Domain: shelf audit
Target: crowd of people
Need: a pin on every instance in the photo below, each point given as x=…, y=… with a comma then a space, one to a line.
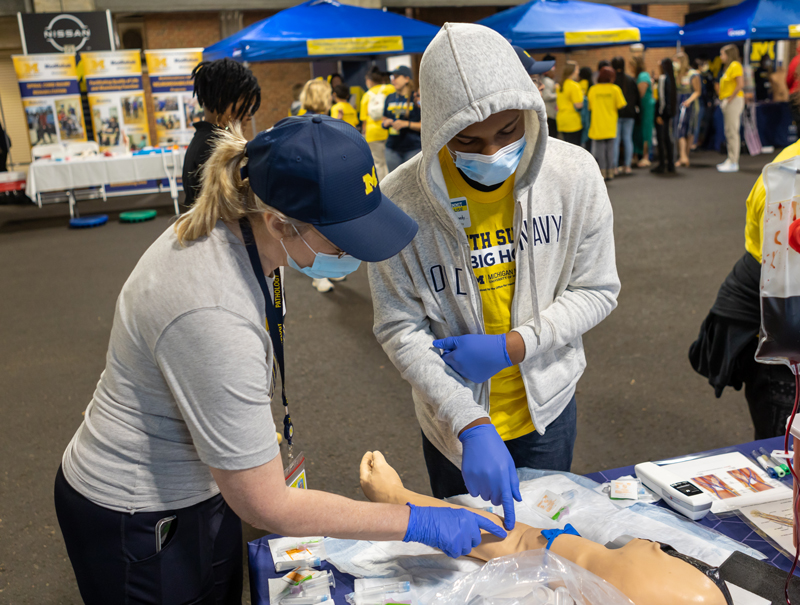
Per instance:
x=387, y=114
x=625, y=115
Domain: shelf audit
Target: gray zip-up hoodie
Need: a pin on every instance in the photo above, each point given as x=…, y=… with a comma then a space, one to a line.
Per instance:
x=566, y=276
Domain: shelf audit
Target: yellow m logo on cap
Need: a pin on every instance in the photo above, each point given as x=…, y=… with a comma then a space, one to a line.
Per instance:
x=370, y=181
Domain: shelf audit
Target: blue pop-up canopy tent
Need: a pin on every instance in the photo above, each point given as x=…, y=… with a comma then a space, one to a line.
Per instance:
x=750, y=20
x=325, y=29
x=571, y=24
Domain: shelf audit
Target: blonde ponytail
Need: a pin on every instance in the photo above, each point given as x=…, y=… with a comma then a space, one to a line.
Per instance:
x=223, y=194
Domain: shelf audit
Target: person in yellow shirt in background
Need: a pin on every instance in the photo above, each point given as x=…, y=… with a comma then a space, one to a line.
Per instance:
x=731, y=101
x=371, y=114
x=724, y=352
x=569, y=102
x=342, y=110
x=605, y=100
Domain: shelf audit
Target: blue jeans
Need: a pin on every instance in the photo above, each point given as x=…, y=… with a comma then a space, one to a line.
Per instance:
x=395, y=158
x=624, y=134
x=551, y=451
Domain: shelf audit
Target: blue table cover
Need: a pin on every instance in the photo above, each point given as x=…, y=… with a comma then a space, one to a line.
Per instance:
x=731, y=526
x=262, y=568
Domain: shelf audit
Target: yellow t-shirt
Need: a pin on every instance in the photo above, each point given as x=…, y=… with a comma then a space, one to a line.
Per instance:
x=374, y=130
x=568, y=119
x=488, y=220
x=584, y=84
x=727, y=83
x=754, y=227
x=605, y=101
x=348, y=110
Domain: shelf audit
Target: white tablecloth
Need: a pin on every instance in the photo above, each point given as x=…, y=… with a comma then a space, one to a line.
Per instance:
x=53, y=175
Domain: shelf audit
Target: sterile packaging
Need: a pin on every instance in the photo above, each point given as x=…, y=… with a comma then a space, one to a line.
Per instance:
x=301, y=587
x=779, y=341
x=290, y=553
x=526, y=579
x=550, y=505
x=382, y=591
x=624, y=489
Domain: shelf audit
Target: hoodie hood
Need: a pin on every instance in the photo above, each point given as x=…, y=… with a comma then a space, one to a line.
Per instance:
x=468, y=73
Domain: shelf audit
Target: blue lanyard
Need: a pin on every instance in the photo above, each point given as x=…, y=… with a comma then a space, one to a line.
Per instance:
x=274, y=315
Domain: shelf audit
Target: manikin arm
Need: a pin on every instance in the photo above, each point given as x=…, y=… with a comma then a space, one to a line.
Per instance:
x=643, y=573
x=381, y=483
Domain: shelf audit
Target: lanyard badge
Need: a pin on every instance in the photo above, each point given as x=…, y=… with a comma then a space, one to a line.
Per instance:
x=273, y=307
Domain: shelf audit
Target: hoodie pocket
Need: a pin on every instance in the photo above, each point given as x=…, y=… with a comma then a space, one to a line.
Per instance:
x=549, y=374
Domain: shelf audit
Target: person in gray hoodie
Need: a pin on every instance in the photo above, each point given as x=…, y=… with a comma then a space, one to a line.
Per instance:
x=513, y=262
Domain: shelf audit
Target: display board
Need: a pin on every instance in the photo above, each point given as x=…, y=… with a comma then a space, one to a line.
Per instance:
x=176, y=108
x=116, y=98
x=51, y=98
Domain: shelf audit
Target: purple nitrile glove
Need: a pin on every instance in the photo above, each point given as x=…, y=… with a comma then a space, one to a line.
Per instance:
x=455, y=531
x=476, y=357
x=489, y=470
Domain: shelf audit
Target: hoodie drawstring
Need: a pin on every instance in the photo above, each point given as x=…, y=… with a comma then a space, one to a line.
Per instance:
x=537, y=318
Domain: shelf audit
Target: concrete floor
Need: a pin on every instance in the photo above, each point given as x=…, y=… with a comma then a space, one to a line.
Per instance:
x=676, y=239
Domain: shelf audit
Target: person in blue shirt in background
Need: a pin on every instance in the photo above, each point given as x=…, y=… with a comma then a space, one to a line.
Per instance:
x=401, y=115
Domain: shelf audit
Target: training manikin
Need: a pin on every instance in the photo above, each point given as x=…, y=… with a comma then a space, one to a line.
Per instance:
x=648, y=573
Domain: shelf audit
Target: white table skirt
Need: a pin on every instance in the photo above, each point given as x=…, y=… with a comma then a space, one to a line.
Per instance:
x=52, y=175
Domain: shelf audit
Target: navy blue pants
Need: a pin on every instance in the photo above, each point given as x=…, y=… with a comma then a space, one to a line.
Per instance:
x=551, y=451
x=114, y=554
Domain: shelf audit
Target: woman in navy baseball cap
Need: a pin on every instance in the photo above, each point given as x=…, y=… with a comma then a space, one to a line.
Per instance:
x=178, y=442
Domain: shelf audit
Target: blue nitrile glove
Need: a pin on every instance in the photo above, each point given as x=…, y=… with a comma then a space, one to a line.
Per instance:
x=489, y=470
x=477, y=357
x=455, y=531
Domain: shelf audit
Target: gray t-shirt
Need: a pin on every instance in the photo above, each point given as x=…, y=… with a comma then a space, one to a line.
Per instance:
x=186, y=384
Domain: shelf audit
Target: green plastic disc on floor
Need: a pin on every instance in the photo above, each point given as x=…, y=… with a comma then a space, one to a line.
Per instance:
x=137, y=216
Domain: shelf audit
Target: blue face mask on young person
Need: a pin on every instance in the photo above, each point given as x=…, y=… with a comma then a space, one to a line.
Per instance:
x=491, y=169
x=325, y=265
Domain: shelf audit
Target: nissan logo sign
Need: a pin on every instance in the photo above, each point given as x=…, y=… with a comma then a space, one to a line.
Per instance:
x=67, y=30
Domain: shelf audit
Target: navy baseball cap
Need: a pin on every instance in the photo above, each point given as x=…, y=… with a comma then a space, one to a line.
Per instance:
x=532, y=66
x=403, y=70
x=320, y=170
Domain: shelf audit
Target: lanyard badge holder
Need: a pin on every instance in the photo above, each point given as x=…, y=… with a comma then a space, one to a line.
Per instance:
x=294, y=473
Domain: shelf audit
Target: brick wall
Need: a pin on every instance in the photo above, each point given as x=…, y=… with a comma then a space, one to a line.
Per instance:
x=181, y=30
x=188, y=30
x=276, y=80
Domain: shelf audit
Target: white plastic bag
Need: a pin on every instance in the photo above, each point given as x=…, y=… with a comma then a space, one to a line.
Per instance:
x=520, y=579
x=779, y=342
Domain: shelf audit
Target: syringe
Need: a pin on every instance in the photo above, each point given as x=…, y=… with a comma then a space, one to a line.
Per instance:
x=304, y=600
x=309, y=562
x=299, y=546
x=324, y=579
x=385, y=589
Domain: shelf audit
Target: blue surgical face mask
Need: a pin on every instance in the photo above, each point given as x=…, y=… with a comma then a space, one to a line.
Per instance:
x=325, y=265
x=491, y=169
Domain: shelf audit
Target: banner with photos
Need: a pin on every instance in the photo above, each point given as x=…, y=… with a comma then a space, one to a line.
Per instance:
x=116, y=98
x=176, y=108
x=51, y=97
